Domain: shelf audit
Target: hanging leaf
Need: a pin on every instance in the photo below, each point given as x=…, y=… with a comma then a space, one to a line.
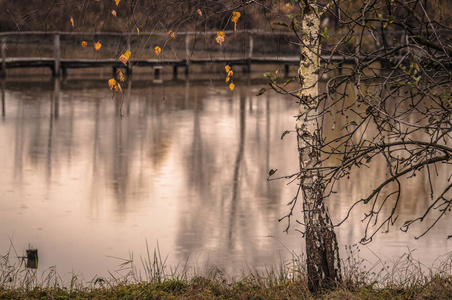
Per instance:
x=261, y=91
x=227, y=79
x=199, y=12
x=158, y=50
x=84, y=44
x=227, y=68
x=117, y=2
x=72, y=22
x=111, y=83
x=171, y=34
x=220, y=37
x=138, y=31
x=97, y=46
x=284, y=134
x=114, y=85
x=125, y=57
x=121, y=76
x=113, y=12
x=235, y=17
x=231, y=86
x=272, y=172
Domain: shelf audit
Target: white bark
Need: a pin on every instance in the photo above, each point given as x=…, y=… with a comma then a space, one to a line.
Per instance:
x=321, y=243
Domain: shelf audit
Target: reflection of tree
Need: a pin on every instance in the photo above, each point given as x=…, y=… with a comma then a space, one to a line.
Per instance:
x=236, y=180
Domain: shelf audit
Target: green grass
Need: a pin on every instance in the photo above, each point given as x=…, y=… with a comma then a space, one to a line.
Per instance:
x=405, y=278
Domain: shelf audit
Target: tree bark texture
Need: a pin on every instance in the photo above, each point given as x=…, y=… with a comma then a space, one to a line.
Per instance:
x=323, y=264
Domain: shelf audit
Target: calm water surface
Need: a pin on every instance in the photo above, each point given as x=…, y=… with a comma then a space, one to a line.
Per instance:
x=185, y=167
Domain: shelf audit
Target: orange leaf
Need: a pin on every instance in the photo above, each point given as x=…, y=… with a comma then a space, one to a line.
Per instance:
x=158, y=50
x=97, y=46
x=220, y=37
x=121, y=76
x=227, y=68
x=117, y=2
x=123, y=59
x=199, y=12
x=113, y=12
x=231, y=86
x=230, y=73
x=72, y=22
x=171, y=34
x=227, y=79
x=84, y=44
x=111, y=83
x=114, y=85
x=118, y=88
x=235, y=18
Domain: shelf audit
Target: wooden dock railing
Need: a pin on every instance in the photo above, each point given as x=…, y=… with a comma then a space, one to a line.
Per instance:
x=245, y=48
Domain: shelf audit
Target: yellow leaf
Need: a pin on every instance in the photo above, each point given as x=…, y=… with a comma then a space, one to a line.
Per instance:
x=118, y=88
x=227, y=79
x=231, y=86
x=235, y=18
x=220, y=37
x=97, y=46
x=227, y=68
x=123, y=59
x=199, y=12
x=72, y=22
x=84, y=44
x=113, y=12
x=127, y=54
x=117, y=2
x=121, y=76
x=112, y=83
x=171, y=34
x=158, y=50
x=138, y=31
x=230, y=73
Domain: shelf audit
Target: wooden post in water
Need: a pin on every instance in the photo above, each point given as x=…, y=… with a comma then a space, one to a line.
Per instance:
x=187, y=54
x=3, y=70
x=57, y=65
x=247, y=67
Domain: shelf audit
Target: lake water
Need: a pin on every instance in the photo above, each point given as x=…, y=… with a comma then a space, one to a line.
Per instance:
x=186, y=168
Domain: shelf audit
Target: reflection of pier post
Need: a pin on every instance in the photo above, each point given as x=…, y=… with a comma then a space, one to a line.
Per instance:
x=56, y=98
x=3, y=98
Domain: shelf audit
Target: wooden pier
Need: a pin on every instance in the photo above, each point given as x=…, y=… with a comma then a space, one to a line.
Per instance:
x=185, y=52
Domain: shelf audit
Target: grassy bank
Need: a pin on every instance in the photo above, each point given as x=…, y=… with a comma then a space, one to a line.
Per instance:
x=202, y=288
x=405, y=278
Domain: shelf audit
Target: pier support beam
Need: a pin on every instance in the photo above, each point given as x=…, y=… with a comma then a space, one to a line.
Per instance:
x=56, y=47
x=3, y=50
x=187, y=55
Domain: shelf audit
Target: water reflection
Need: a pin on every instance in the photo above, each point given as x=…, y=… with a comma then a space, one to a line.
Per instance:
x=186, y=166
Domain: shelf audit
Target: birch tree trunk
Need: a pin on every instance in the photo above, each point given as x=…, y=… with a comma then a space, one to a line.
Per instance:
x=323, y=264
